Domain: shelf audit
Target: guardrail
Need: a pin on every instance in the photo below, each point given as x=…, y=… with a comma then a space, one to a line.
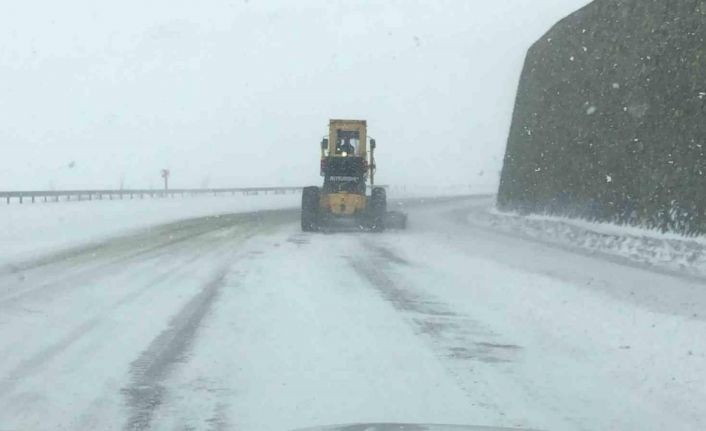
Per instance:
x=88, y=195
x=32, y=196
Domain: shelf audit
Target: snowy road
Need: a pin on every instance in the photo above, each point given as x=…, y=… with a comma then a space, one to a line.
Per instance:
x=243, y=322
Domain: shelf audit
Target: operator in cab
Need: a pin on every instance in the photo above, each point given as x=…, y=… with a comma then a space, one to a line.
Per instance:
x=345, y=148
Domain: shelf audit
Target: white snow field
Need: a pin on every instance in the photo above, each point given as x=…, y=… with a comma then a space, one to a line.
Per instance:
x=243, y=322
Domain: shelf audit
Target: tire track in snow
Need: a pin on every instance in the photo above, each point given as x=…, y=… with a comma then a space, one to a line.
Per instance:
x=175, y=255
x=199, y=252
x=459, y=336
x=146, y=390
x=47, y=354
x=44, y=356
x=457, y=339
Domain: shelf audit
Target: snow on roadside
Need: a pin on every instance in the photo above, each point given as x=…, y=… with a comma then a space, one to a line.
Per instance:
x=669, y=252
x=31, y=230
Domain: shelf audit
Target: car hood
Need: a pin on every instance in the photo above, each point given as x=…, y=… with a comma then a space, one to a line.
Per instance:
x=407, y=427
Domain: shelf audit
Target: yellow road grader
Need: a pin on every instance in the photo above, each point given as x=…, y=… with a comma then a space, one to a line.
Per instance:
x=347, y=165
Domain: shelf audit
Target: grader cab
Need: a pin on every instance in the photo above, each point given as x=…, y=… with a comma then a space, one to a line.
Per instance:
x=348, y=168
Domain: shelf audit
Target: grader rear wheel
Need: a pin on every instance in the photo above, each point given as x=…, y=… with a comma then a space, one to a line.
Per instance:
x=377, y=209
x=310, y=209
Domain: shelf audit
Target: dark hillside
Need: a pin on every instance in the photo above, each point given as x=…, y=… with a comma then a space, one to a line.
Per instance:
x=610, y=118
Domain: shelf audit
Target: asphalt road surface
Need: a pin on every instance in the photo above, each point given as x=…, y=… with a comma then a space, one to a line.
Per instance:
x=244, y=322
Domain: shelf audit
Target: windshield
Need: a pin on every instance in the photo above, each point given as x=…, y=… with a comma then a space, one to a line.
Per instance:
x=347, y=143
x=276, y=215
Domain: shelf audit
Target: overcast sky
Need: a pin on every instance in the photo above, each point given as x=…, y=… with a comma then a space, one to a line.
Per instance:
x=238, y=93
